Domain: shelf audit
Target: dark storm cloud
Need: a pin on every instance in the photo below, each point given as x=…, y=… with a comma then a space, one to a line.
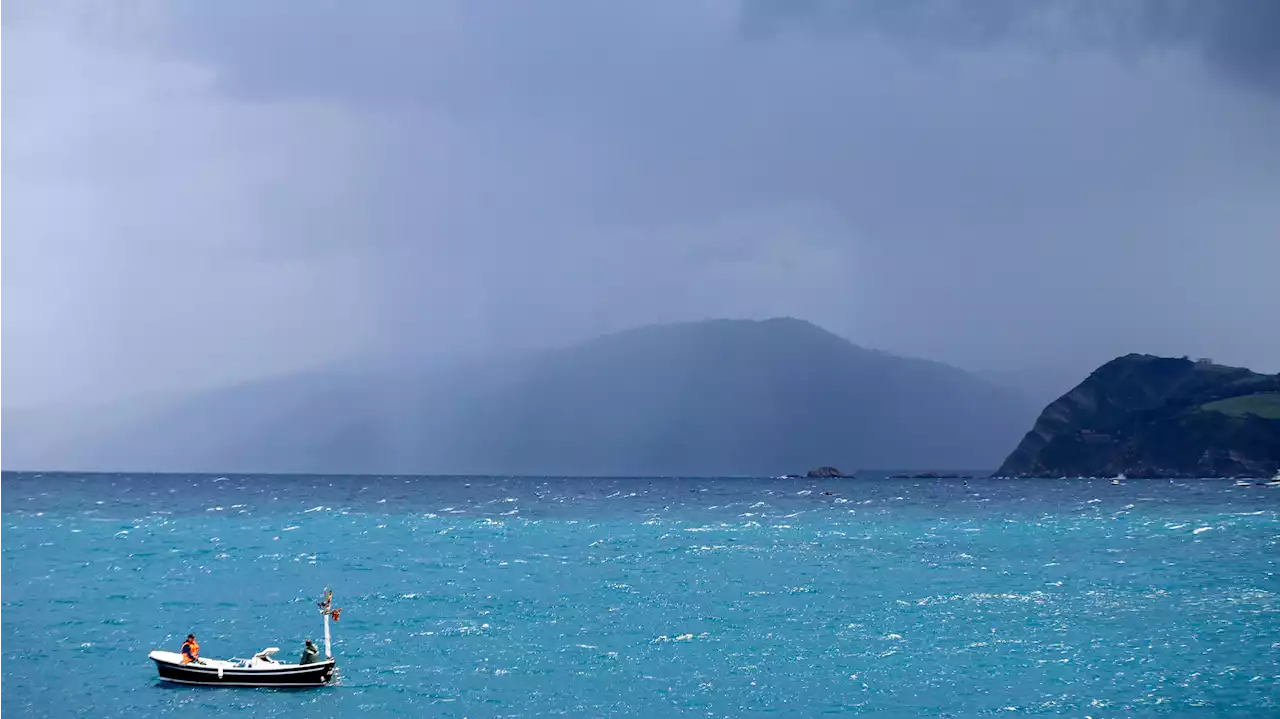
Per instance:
x=1245, y=41
x=1237, y=37
x=973, y=182
x=956, y=157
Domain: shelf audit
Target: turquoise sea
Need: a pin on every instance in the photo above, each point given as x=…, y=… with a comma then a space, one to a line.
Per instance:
x=532, y=597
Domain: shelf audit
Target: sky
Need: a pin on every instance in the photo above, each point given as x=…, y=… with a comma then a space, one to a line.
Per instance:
x=202, y=193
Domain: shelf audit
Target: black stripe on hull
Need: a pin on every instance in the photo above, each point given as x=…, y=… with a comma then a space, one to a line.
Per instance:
x=240, y=684
x=315, y=675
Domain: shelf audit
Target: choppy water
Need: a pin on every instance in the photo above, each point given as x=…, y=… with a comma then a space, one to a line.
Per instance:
x=648, y=597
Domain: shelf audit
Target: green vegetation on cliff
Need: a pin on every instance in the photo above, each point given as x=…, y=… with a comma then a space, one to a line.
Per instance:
x=1142, y=415
x=1262, y=404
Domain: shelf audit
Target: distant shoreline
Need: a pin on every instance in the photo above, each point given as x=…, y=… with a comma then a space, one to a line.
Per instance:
x=861, y=476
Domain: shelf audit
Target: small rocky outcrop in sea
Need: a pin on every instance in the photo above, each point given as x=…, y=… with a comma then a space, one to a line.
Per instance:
x=826, y=473
x=1145, y=416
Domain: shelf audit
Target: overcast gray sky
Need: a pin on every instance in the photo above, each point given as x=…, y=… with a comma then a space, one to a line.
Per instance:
x=201, y=192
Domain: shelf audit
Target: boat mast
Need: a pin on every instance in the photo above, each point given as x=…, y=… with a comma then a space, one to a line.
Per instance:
x=326, y=610
x=327, y=652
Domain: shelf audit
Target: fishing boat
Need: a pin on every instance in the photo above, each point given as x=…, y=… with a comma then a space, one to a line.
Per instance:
x=260, y=670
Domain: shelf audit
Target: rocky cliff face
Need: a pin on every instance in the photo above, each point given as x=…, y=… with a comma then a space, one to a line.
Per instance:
x=1142, y=415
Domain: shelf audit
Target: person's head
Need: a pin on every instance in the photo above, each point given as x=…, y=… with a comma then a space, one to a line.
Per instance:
x=310, y=645
x=191, y=637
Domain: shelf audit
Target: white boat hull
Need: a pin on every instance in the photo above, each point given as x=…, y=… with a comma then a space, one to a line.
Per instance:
x=249, y=673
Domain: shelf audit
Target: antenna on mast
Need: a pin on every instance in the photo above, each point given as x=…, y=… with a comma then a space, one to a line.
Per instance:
x=326, y=609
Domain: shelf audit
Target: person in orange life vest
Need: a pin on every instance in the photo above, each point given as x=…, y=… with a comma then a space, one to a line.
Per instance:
x=191, y=650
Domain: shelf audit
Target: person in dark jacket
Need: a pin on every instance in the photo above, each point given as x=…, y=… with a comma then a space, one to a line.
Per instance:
x=310, y=654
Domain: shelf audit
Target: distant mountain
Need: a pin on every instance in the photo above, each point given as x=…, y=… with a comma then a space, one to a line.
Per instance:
x=1142, y=415
x=707, y=398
